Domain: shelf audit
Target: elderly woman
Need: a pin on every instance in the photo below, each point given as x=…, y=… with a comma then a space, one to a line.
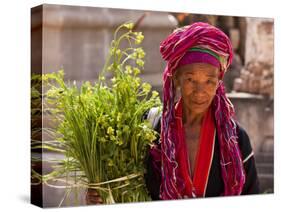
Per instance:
x=202, y=150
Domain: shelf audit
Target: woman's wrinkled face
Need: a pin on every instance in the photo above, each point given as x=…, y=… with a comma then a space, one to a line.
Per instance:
x=198, y=83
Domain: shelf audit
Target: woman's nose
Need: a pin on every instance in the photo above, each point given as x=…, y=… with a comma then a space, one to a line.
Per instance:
x=198, y=87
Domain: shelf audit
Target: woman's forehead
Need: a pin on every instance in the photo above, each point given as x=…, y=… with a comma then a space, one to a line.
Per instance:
x=199, y=68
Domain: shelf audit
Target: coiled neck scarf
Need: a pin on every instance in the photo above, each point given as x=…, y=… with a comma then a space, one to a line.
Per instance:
x=173, y=48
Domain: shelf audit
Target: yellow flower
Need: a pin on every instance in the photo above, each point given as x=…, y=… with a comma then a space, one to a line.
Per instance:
x=128, y=69
x=146, y=87
x=129, y=25
x=140, y=62
x=110, y=131
x=136, y=71
x=119, y=116
x=154, y=94
x=139, y=38
x=110, y=162
x=118, y=52
x=140, y=53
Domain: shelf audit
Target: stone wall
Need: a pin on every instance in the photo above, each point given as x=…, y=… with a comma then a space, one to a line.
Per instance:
x=77, y=39
x=257, y=75
x=255, y=114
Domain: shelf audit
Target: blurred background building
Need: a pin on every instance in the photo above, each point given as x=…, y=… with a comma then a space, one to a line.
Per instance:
x=77, y=39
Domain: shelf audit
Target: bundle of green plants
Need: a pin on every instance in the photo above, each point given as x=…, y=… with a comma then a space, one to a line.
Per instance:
x=100, y=126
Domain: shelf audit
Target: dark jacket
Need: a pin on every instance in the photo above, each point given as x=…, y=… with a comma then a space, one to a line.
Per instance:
x=215, y=186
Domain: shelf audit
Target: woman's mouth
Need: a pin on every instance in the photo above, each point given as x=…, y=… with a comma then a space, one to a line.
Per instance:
x=199, y=103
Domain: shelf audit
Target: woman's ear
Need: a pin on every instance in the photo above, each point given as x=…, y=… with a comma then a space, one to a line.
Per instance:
x=177, y=89
x=176, y=82
x=176, y=79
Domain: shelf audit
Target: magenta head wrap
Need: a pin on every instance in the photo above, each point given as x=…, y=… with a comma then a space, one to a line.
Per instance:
x=173, y=50
x=198, y=55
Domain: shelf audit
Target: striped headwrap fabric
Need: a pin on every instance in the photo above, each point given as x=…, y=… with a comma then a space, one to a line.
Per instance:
x=173, y=48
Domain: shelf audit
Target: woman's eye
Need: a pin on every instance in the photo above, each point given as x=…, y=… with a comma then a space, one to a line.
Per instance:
x=188, y=79
x=210, y=82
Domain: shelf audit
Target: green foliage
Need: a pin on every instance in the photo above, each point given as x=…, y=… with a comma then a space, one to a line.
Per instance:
x=100, y=126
